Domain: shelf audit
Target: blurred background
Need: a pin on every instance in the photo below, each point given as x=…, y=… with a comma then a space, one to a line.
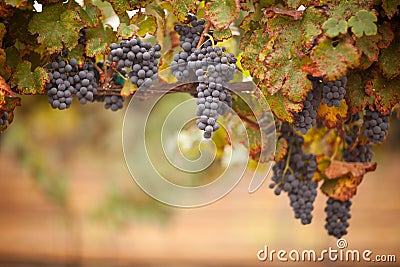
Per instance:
x=67, y=199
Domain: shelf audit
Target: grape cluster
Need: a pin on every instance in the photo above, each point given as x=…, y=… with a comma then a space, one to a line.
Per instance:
x=376, y=126
x=214, y=69
x=60, y=88
x=138, y=59
x=307, y=117
x=212, y=66
x=3, y=118
x=66, y=79
x=189, y=37
x=355, y=152
x=337, y=214
x=113, y=102
x=333, y=92
x=294, y=175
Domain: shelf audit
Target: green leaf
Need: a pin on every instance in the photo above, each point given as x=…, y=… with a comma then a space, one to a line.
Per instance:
x=222, y=35
x=363, y=22
x=91, y=14
x=181, y=8
x=387, y=34
x=146, y=24
x=98, y=40
x=334, y=27
x=13, y=56
x=390, y=7
x=332, y=58
x=121, y=6
x=5, y=70
x=127, y=31
x=355, y=95
x=18, y=27
x=222, y=13
x=311, y=25
x=56, y=26
x=282, y=107
x=28, y=82
x=295, y=3
x=389, y=60
x=386, y=93
x=17, y=3
x=281, y=149
x=368, y=45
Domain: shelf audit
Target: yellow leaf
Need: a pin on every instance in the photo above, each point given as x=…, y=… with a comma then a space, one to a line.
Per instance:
x=333, y=117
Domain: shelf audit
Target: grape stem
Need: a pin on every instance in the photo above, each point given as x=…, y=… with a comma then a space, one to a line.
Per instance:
x=287, y=163
x=205, y=32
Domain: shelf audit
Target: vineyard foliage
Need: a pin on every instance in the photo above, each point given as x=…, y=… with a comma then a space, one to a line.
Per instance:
x=280, y=44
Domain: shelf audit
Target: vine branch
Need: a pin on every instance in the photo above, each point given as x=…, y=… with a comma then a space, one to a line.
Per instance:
x=205, y=31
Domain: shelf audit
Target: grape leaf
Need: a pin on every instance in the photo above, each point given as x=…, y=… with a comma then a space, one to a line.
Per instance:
x=386, y=93
x=389, y=60
x=121, y=6
x=338, y=169
x=18, y=27
x=5, y=89
x=332, y=117
x=28, y=82
x=17, y=3
x=311, y=25
x=390, y=7
x=355, y=95
x=91, y=15
x=363, y=22
x=98, y=40
x=222, y=35
x=334, y=27
x=281, y=149
x=128, y=89
x=222, y=13
x=127, y=31
x=181, y=8
x=56, y=27
x=387, y=35
x=368, y=45
x=295, y=3
x=5, y=70
x=146, y=24
x=343, y=188
x=282, y=107
x=332, y=58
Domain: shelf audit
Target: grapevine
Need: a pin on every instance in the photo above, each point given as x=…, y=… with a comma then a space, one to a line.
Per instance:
x=330, y=73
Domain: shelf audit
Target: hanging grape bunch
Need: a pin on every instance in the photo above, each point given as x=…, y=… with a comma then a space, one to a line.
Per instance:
x=139, y=59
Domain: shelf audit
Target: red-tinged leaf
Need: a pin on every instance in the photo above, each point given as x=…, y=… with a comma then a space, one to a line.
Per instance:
x=286, y=75
x=368, y=45
x=281, y=149
x=296, y=15
x=387, y=34
x=181, y=8
x=222, y=13
x=390, y=7
x=5, y=89
x=28, y=82
x=98, y=40
x=3, y=32
x=389, y=60
x=338, y=169
x=355, y=95
x=5, y=70
x=386, y=93
x=18, y=27
x=332, y=58
x=311, y=27
x=57, y=27
x=282, y=107
x=145, y=23
x=343, y=188
x=127, y=31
